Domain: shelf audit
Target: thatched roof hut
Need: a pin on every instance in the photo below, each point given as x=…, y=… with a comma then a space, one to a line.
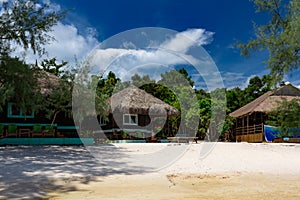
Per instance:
x=250, y=121
x=268, y=101
x=137, y=101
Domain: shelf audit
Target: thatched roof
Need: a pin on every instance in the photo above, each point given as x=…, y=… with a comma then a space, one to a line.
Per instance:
x=137, y=101
x=268, y=101
x=46, y=81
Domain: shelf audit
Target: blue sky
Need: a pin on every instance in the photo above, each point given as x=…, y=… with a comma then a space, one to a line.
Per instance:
x=94, y=21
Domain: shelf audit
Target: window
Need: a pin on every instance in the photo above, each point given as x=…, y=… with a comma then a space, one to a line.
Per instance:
x=102, y=122
x=13, y=111
x=130, y=119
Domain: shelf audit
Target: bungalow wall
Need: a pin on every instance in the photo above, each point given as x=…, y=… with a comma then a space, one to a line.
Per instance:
x=115, y=125
x=117, y=119
x=249, y=128
x=12, y=115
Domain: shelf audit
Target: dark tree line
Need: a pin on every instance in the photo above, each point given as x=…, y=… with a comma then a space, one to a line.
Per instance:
x=28, y=25
x=176, y=89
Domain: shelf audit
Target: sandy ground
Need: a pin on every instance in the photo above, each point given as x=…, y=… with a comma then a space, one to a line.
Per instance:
x=152, y=171
x=187, y=186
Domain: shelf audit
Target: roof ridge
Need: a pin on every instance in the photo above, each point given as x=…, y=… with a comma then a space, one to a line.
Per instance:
x=262, y=101
x=255, y=103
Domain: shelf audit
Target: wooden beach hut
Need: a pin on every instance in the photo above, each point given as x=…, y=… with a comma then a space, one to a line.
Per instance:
x=18, y=124
x=130, y=111
x=250, y=119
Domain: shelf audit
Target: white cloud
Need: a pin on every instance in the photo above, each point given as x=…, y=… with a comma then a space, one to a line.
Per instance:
x=159, y=56
x=68, y=43
x=124, y=63
x=172, y=51
x=183, y=41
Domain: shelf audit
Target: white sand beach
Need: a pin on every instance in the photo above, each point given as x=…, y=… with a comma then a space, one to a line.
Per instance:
x=228, y=171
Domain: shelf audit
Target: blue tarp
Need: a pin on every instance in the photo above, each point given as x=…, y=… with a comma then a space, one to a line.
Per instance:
x=272, y=132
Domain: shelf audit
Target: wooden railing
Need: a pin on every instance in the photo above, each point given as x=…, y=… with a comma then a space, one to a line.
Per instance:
x=245, y=130
x=252, y=133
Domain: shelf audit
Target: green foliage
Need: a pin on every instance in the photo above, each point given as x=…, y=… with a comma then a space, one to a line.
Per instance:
x=59, y=100
x=88, y=90
x=185, y=74
x=218, y=108
x=205, y=115
x=178, y=91
x=228, y=125
x=52, y=67
x=104, y=89
x=281, y=36
x=286, y=116
x=17, y=83
x=267, y=83
x=176, y=78
x=124, y=134
x=109, y=84
x=234, y=99
x=141, y=81
x=237, y=97
x=139, y=134
x=27, y=23
x=253, y=90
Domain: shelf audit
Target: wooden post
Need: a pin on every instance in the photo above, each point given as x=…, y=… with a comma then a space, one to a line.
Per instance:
x=243, y=124
x=262, y=132
x=247, y=124
x=248, y=135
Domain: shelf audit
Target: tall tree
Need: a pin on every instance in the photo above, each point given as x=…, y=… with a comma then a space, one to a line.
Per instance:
x=60, y=83
x=27, y=23
x=107, y=86
x=205, y=116
x=253, y=90
x=50, y=66
x=256, y=87
x=186, y=76
x=234, y=99
x=281, y=36
x=58, y=100
x=17, y=83
x=179, y=93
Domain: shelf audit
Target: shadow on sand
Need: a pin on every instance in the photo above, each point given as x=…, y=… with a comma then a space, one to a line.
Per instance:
x=28, y=172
